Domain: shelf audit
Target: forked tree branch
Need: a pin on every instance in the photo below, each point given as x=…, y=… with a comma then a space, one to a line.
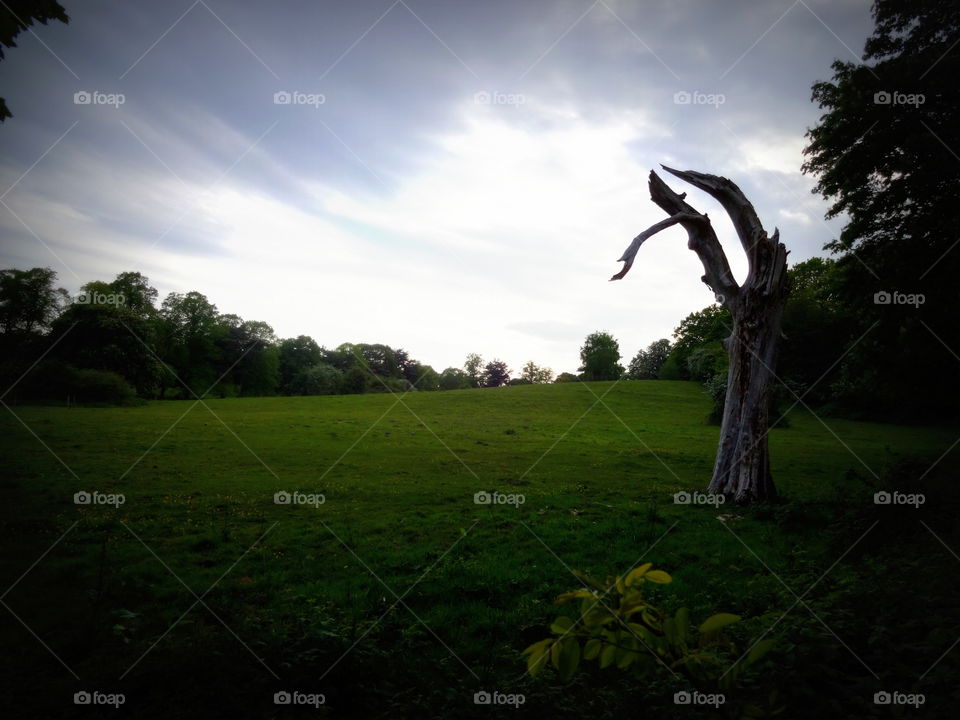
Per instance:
x=739, y=208
x=630, y=253
x=702, y=239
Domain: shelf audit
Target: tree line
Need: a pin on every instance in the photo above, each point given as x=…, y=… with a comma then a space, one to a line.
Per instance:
x=112, y=343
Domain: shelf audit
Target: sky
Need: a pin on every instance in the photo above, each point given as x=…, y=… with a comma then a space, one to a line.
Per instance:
x=444, y=176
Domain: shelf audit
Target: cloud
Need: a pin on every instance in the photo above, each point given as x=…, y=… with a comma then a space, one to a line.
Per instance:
x=402, y=210
x=797, y=217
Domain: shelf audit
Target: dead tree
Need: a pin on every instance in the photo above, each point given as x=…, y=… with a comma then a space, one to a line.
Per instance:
x=742, y=468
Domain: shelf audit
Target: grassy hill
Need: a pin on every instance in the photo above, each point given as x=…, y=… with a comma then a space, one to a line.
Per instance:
x=305, y=597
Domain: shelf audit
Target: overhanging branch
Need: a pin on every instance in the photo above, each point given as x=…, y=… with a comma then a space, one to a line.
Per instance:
x=742, y=214
x=630, y=253
x=701, y=239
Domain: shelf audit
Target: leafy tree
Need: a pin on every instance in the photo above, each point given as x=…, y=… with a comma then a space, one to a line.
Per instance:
x=356, y=380
x=296, y=355
x=817, y=326
x=535, y=374
x=409, y=369
x=189, y=330
x=883, y=152
x=29, y=302
x=454, y=379
x=646, y=364
x=249, y=358
x=473, y=367
x=102, y=333
x=421, y=377
x=343, y=357
x=566, y=377
x=381, y=360
x=138, y=295
x=496, y=373
x=710, y=325
x=600, y=357
x=18, y=15
x=706, y=361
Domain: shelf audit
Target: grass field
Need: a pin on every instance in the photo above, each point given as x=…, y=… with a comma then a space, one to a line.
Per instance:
x=306, y=597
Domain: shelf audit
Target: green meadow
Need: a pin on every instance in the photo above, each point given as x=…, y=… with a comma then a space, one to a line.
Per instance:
x=398, y=595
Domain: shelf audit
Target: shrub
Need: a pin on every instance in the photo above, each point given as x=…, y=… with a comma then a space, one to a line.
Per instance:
x=100, y=386
x=319, y=379
x=56, y=382
x=618, y=627
x=716, y=389
x=706, y=361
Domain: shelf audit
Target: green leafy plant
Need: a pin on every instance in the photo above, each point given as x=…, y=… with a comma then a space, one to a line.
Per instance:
x=618, y=627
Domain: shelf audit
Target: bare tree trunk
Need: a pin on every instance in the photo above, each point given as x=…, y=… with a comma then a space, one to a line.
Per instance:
x=742, y=468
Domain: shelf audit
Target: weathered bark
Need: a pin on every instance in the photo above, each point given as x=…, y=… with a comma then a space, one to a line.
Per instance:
x=742, y=468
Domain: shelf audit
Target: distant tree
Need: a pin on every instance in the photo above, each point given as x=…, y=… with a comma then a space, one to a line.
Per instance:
x=600, y=357
x=138, y=295
x=429, y=379
x=356, y=380
x=408, y=368
x=535, y=374
x=566, y=377
x=17, y=16
x=454, y=379
x=712, y=324
x=189, y=330
x=646, y=364
x=706, y=361
x=296, y=355
x=343, y=357
x=381, y=360
x=319, y=379
x=421, y=377
x=473, y=367
x=29, y=300
x=496, y=373
x=249, y=359
x=100, y=332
